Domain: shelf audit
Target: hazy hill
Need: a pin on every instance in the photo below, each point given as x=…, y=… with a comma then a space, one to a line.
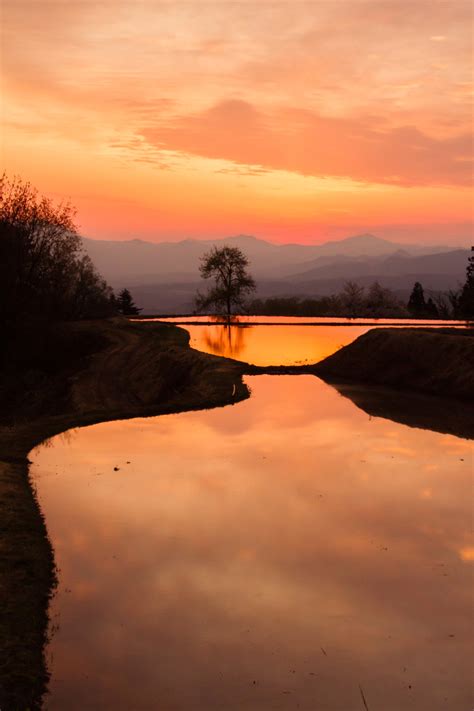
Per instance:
x=397, y=264
x=164, y=276
x=139, y=262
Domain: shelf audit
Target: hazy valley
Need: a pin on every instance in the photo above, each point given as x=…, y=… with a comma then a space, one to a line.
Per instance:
x=164, y=275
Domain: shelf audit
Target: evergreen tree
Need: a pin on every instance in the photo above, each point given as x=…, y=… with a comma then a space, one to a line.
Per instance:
x=431, y=309
x=416, y=302
x=466, y=298
x=125, y=304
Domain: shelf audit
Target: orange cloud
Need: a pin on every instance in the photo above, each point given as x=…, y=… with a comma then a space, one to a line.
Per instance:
x=192, y=105
x=301, y=141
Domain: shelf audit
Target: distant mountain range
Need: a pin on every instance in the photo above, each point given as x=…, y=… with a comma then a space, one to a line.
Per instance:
x=396, y=264
x=165, y=275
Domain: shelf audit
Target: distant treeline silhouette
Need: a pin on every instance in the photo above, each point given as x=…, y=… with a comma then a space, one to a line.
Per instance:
x=356, y=301
x=353, y=301
x=456, y=303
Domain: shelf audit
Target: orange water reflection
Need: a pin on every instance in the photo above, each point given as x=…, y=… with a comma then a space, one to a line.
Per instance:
x=229, y=341
x=273, y=345
x=276, y=554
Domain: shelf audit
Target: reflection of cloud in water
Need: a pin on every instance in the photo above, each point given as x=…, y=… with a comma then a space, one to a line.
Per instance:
x=228, y=555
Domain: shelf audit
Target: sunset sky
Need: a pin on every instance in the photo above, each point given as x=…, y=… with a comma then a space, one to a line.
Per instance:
x=292, y=121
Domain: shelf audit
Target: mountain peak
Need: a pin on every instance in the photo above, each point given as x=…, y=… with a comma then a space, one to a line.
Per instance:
x=362, y=245
x=365, y=238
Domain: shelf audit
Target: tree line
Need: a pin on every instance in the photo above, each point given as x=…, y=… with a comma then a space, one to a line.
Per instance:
x=45, y=275
x=352, y=301
x=375, y=301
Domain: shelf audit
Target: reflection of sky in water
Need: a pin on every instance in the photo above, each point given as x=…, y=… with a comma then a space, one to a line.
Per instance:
x=283, y=345
x=278, y=552
x=273, y=345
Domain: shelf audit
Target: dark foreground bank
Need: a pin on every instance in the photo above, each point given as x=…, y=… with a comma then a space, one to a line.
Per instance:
x=86, y=372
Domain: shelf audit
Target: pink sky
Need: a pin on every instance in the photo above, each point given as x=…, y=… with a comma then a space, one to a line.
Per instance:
x=293, y=121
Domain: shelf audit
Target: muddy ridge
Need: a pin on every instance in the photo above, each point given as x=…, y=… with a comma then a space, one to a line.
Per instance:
x=432, y=361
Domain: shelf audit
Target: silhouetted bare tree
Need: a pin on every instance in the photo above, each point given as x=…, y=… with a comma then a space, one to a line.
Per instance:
x=227, y=266
x=352, y=299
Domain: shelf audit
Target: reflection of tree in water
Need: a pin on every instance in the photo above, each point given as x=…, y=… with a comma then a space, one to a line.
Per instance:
x=228, y=341
x=64, y=437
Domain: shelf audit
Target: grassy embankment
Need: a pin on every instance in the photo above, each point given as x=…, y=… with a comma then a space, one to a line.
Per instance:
x=434, y=361
x=79, y=374
x=418, y=377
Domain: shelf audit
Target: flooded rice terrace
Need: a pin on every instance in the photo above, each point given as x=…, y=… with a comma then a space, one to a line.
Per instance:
x=285, y=552
x=284, y=340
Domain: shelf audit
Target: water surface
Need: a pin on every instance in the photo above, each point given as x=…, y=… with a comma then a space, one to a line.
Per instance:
x=275, y=345
x=285, y=552
x=281, y=340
